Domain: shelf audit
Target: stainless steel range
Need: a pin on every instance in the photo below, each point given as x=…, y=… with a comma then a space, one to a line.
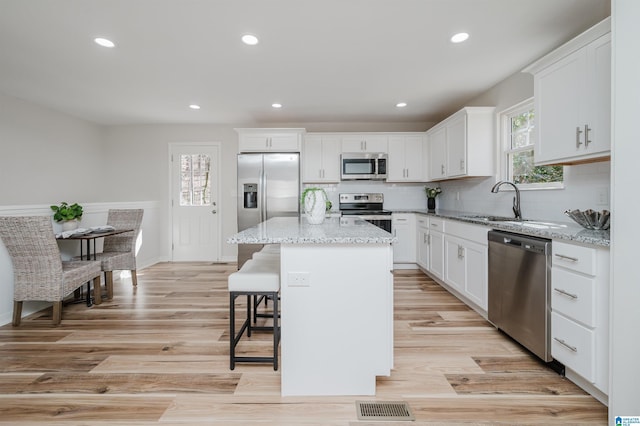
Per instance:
x=366, y=206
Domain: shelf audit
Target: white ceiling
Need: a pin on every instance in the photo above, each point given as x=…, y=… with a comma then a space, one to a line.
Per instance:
x=324, y=60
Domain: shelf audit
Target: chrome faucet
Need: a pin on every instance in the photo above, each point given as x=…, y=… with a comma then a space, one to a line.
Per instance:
x=516, y=199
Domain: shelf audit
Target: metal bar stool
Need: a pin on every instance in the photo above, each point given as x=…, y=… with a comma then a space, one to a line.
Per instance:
x=255, y=278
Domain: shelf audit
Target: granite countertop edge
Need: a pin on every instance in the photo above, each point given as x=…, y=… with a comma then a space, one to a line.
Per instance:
x=569, y=231
x=293, y=230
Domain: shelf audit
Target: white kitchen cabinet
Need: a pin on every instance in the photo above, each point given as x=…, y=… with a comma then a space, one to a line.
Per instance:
x=437, y=144
x=436, y=247
x=364, y=142
x=405, y=158
x=269, y=140
x=321, y=159
x=466, y=259
x=580, y=311
x=572, y=88
x=462, y=145
x=404, y=228
x=422, y=241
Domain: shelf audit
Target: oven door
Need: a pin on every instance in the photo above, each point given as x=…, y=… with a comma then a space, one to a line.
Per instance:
x=381, y=221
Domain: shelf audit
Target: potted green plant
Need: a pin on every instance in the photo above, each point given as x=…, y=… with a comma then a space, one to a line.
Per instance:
x=431, y=197
x=67, y=215
x=315, y=203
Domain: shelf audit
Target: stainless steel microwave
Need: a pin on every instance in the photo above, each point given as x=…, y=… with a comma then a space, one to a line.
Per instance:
x=363, y=166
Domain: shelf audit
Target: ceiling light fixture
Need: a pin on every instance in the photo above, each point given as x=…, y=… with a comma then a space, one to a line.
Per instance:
x=276, y=105
x=104, y=42
x=459, y=38
x=401, y=104
x=194, y=106
x=250, y=39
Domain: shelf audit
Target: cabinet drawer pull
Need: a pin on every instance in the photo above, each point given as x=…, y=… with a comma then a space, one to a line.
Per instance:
x=573, y=296
x=586, y=135
x=566, y=345
x=565, y=257
x=578, y=133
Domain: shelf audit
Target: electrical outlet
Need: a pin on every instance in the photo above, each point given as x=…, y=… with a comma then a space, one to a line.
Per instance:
x=298, y=279
x=603, y=196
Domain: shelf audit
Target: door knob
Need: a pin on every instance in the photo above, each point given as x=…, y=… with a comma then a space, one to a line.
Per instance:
x=214, y=211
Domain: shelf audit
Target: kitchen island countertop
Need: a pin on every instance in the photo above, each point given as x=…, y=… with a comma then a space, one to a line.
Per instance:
x=296, y=230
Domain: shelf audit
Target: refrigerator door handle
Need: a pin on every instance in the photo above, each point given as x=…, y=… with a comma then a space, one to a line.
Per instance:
x=261, y=196
x=264, y=196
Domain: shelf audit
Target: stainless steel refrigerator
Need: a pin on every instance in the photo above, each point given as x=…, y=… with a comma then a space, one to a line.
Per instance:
x=268, y=186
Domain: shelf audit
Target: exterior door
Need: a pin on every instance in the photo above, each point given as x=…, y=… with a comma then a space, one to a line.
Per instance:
x=194, y=202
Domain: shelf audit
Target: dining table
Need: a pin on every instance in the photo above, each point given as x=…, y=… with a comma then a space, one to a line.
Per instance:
x=89, y=237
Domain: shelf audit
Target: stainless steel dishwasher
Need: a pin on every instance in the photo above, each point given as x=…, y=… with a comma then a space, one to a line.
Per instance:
x=519, y=289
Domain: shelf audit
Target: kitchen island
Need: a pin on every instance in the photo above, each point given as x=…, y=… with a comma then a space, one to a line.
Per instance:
x=336, y=303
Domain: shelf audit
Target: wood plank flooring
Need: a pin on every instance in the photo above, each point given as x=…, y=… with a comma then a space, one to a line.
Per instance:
x=158, y=355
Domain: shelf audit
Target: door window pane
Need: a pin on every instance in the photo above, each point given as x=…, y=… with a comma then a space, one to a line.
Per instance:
x=195, y=180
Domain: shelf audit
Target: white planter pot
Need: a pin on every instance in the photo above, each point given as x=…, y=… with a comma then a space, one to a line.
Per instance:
x=315, y=206
x=69, y=225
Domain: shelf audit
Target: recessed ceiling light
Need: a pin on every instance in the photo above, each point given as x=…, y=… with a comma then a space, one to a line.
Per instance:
x=401, y=104
x=194, y=106
x=104, y=42
x=250, y=39
x=276, y=105
x=459, y=38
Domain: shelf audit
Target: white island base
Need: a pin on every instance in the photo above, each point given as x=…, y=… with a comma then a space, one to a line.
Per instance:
x=337, y=318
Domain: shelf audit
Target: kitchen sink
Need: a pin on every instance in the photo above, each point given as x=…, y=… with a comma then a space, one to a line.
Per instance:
x=494, y=218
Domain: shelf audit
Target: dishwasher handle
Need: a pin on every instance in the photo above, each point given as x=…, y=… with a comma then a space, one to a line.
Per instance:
x=518, y=241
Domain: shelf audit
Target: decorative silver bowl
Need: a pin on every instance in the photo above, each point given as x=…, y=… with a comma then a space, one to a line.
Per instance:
x=590, y=219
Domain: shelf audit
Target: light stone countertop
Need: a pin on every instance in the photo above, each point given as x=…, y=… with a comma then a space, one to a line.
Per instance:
x=296, y=230
x=568, y=231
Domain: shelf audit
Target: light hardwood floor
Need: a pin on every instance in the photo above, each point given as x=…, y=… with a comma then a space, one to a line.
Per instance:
x=158, y=355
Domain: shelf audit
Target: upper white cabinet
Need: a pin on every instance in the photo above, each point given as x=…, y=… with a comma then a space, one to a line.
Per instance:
x=462, y=145
x=406, y=158
x=364, y=142
x=321, y=158
x=572, y=87
x=270, y=140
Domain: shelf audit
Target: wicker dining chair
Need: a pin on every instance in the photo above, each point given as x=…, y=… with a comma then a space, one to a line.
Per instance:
x=38, y=270
x=119, y=251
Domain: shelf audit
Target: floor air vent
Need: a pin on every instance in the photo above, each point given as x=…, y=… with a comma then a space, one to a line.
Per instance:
x=388, y=410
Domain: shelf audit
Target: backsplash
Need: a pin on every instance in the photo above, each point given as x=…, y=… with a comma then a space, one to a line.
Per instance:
x=586, y=186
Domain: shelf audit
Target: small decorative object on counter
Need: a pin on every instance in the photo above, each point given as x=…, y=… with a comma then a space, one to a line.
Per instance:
x=591, y=219
x=67, y=215
x=431, y=197
x=314, y=203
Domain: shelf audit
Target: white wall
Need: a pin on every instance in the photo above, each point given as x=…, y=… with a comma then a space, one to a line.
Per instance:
x=46, y=156
x=583, y=183
x=624, y=398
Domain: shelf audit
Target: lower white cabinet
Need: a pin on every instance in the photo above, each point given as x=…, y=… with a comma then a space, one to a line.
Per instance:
x=404, y=229
x=466, y=259
x=456, y=255
x=436, y=247
x=580, y=311
x=422, y=242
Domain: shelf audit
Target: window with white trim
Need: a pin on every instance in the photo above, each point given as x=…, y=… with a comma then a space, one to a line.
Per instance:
x=518, y=127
